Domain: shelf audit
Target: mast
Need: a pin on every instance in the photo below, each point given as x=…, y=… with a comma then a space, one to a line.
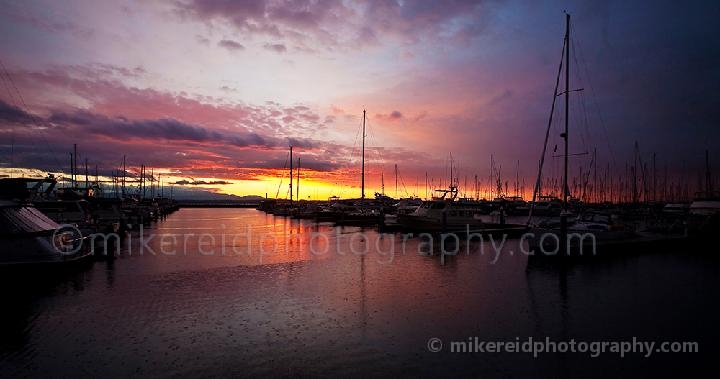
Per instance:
x=123, y=177
x=636, y=196
x=382, y=183
x=517, y=179
x=708, y=177
x=654, y=179
x=72, y=174
x=451, y=172
x=490, y=178
x=75, y=171
x=142, y=181
x=465, y=187
x=567, y=109
x=426, y=185
x=396, y=181
x=152, y=183
x=291, y=174
x=477, y=188
x=564, y=214
x=362, y=194
x=594, y=196
x=297, y=189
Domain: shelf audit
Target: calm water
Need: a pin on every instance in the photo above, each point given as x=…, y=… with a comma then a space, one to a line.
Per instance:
x=289, y=298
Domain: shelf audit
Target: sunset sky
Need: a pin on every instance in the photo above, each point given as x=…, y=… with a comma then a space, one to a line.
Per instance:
x=216, y=91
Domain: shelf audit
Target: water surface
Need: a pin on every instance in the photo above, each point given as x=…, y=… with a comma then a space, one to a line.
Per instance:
x=236, y=292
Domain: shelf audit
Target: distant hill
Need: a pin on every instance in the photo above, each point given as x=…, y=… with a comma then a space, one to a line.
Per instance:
x=183, y=193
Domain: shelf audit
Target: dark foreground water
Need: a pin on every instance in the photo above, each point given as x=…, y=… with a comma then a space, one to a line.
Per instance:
x=289, y=298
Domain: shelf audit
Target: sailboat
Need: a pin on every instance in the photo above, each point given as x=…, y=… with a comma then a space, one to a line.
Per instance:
x=276, y=207
x=593, y=232
x=362, y=212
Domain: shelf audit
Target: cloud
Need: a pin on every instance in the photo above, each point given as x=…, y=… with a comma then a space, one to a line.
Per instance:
x=352, y=24
x=202, y=40
x=392, y=116
x=276, y=47
x=231, y=45
x=74, y=89
x=13, y=114
x=108, y=69
x=167, y=129
x=44, y=22
x=201, y=182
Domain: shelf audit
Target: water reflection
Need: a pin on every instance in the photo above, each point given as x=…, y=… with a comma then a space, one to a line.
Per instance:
x=342, y=313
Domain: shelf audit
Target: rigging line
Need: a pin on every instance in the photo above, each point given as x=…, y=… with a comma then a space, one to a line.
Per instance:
x=353, y=151
x=32, y=115
x=402, y=182
x=574, y=121
x=595, y=102
x=12, y=102
x=547, y=134
x=281, y=177
x=6, y=83
x=582, y=100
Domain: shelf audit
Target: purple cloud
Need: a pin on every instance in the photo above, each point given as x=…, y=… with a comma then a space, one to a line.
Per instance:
x=276, y=47
x=352, y=24
x=231, y=45
x=12, y=114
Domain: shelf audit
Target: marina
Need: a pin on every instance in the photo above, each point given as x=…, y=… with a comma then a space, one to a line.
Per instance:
x=354, y=189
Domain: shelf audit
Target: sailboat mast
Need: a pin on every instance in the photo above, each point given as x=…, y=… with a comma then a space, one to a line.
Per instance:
x=517, y=179
x=297, y=188
x=123, y=177
x=708, y=177
x=291, y=174
x=396, y=180
x=72, y=174
x=362, y=196
x=75, y=171
x=564, y=214
x=451, y=171
x=427, y=183
x=567, y=108
x=382, y=183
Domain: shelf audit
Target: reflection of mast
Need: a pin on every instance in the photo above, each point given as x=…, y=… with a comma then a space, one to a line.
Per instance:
x=363, y=296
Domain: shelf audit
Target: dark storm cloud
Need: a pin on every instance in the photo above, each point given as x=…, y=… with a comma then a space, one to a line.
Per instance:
x=167, y=129
x=123, y=128
x=12, y=114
